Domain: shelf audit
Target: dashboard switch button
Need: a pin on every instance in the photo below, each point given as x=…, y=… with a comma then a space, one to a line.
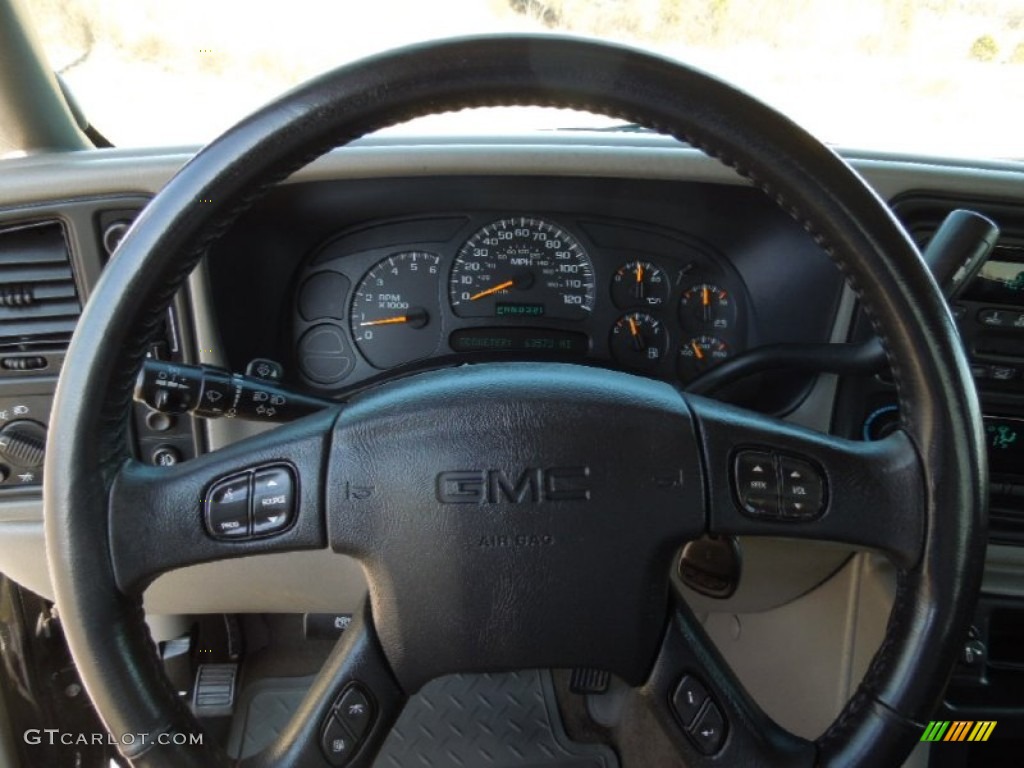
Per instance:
x=337, y=743
x=273, y=500
x=227, y=508
x=688, y=699
x=757, y=483
x=708, y=733
x=355, y=712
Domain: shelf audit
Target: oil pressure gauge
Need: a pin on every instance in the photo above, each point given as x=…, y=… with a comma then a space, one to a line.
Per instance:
x=639, y=284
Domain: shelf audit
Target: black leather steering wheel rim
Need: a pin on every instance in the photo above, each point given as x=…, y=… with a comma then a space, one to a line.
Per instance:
x=105, y=626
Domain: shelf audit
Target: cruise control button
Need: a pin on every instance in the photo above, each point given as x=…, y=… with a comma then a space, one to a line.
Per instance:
x=688, y=699
x=354, y=711
x=227, y=508
x=273, y=500
x=803, y=491
x=337, y=744
x=756, y=483
x=709, y=732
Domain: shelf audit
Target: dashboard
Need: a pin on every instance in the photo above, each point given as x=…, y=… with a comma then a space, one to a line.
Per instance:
x=622, y=252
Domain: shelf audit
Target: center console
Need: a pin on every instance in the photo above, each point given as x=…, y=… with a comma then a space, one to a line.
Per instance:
x=989, y=311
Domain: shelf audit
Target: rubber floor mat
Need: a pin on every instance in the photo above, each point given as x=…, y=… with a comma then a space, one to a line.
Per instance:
x=505, y=720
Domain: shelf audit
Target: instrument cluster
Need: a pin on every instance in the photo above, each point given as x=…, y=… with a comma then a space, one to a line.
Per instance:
x=408, y=293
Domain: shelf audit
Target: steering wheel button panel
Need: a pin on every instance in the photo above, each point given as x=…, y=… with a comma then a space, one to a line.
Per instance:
x=226, y=508
x=688, y=699
x=273, y=500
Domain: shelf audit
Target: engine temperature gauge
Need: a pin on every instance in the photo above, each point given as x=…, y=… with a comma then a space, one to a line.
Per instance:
x=638, y=341
x=701, y=353
x=639, y=284
x=706, y=306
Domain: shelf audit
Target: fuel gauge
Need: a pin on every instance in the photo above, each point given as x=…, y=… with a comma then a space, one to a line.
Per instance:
x=638, y=341
x=701, y=353
x=707, y=306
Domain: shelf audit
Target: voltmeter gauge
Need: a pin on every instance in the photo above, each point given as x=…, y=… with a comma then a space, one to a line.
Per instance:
x=639, y=284
x=701, y=353
x=707, y=307
x=638, y=341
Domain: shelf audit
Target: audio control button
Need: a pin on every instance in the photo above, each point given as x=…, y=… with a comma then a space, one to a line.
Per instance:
x=226, y=508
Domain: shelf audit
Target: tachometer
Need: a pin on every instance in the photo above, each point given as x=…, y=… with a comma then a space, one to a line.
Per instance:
x=395, y=309
x=521, y=268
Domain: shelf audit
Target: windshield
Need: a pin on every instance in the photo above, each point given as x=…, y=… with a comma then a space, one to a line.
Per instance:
x=924, y=76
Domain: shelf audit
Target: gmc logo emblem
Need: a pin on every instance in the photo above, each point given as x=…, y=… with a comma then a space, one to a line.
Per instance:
x=532, y=486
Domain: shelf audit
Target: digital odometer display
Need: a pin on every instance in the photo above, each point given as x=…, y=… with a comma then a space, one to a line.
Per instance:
x=522, y=267
x=518, y=340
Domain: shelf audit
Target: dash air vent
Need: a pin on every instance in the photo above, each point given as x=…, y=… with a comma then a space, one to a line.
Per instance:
x=38, y=301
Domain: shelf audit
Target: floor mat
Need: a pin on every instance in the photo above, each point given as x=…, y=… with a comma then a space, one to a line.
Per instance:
x=461, y=721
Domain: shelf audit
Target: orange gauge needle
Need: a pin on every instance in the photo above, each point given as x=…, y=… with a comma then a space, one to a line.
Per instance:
x=494, y=289
x=634, y=329
x=415, y=317
x=639, y=273
x=697, y=350
x=706, y=296
x=386, y=321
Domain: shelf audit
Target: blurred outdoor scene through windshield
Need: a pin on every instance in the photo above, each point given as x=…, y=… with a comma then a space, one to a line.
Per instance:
x=927, y=76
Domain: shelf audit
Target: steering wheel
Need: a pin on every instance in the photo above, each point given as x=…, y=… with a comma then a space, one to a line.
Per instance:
x=525, y=503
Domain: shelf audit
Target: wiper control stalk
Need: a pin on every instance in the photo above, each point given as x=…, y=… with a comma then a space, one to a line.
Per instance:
x=213, y=393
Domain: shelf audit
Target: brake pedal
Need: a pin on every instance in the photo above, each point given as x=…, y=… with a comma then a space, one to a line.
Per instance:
x=213, y=694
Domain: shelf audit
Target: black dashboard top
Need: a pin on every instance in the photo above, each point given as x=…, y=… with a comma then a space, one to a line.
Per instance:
x=358, y=280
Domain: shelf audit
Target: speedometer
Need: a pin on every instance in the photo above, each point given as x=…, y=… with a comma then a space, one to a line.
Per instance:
x=522, y=268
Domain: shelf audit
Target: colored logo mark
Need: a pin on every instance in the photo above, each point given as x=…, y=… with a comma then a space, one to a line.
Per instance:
x=958, y=730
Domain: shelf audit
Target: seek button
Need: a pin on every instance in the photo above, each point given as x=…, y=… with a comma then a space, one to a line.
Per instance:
x=273, y=500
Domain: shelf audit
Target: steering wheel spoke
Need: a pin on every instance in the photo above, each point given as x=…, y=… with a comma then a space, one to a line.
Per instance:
x=705, y=710
x=347, y=712
x=263, y=494
x=772, y=478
